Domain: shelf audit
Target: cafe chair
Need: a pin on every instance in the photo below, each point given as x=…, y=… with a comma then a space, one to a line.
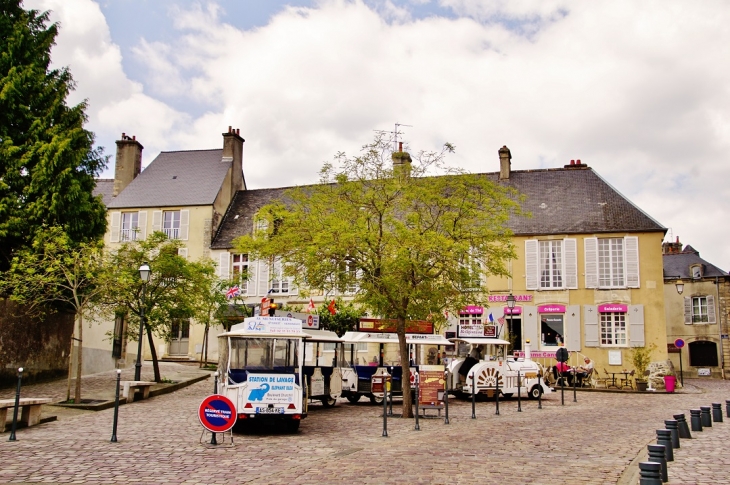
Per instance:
x=628, y=381
x=590, y=380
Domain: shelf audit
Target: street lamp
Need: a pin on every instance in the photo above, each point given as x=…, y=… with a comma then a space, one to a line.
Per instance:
x=680, y=286
x=144, y=275
x=510, y=305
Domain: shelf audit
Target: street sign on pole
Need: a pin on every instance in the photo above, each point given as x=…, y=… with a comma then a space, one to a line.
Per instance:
x=217, y=413
x=679, y=343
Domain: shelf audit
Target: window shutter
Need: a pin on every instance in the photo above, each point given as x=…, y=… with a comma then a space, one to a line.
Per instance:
x=116, y=222
x=262, y=282
x=636, y=325
x=224, y=264
x=142, y=220
x=591, y=254
x=156, y=221
x=183, y=252
x=590, y=325
x=251, y=282
x=572, y=328
x=687, y=310
x=530, y=325
x=711, y=309
x=184, y=223
x=293, y=290
x=631, y=244
x=531, y=264
x=570, y=262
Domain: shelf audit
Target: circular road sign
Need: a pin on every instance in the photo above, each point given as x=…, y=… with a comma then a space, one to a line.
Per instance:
x=217, y=413
x=679, y=343
x=561, y=355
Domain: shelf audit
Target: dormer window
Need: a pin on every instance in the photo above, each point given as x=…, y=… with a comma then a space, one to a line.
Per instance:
x=696, y=271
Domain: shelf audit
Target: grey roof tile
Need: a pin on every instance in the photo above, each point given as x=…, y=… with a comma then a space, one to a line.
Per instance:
x=105, y=188
x=180, y=178
x=561, y=201
x=676, y=265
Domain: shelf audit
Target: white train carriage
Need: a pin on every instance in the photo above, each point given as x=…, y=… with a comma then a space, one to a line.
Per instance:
x=324, y=361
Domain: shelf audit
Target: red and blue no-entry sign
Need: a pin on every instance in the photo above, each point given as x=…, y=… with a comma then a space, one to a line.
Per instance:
x=217, y=413
x=679, y=343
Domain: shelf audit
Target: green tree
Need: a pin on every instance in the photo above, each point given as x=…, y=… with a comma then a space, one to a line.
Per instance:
x=48, y=163
x=344, y=320
x=173, y=290
x=415, y=237
x=57, y=273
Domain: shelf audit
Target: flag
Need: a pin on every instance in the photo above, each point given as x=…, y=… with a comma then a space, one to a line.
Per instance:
x=233, y=292
x=491, y=318
x=310, y=307
x=332, y=307
x=501, y=320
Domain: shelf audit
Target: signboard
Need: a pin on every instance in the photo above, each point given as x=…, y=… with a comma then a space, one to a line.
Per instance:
x=704, y=372
x=537, y=354
x=308, y=320
x=551, y=309
x=388, y=326
x=431, y=384
x=264, y=306
x=217, y=413
x=263, y=324
x=513, y=311
x=316, y=383
x=476, y=330
x=672, y=349
x=613, y=308
x=679, y=343
x=271, y=388
x=472, y=310
x=503, y=298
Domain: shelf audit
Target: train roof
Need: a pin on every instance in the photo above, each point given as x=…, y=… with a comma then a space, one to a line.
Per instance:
x=385, y=338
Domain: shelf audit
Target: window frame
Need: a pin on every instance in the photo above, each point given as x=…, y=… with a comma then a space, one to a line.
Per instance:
x=611, y=264
x=129, y=233
x=555, y=268
x=237, y=270
x=609, y=327
x=172, y=232
x=697, y=317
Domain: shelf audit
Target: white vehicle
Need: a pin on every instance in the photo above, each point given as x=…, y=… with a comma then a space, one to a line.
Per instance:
x=323, y=365
x=357, y=381
x=260, y=363
x=492, y=367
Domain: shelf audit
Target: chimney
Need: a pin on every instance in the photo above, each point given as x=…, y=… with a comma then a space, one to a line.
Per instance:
x=575, y=164
x=504, y=163
x=672, y=247
x=233, y=152
x=401, y=161
x=128, y=163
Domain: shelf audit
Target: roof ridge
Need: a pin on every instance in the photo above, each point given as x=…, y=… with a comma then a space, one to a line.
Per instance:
x=197, y=150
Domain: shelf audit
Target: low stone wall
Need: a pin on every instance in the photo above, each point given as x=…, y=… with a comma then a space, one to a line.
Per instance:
x=657, y=371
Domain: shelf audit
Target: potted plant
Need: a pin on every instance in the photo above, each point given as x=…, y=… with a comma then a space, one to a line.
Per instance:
x=641, y=358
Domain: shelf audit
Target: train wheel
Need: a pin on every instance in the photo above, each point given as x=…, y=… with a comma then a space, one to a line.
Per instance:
x=375, y=400
x=353, y=398
x=329, y=401
x=507, y=395
x=293, y=425
x=535, y=392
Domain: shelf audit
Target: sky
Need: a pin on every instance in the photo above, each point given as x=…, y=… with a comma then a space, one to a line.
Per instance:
x=638, y=91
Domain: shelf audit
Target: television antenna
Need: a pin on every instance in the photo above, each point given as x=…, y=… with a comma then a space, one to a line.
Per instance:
x=395, y=134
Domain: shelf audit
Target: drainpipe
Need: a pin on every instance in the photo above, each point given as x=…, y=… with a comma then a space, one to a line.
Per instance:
x=722, y=352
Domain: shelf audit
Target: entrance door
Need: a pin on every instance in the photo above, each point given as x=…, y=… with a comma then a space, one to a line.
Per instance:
x=180, y=337
x=516, y=332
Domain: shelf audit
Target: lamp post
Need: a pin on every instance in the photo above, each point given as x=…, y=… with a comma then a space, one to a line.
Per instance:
x=144, y=275
x=680, y=288
x=511, y=306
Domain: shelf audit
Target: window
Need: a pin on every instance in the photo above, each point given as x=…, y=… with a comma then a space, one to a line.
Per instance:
x=699, y=310
x=279, y=283
x=611, y=262
x=551, y=264
x=130, y=226
x=613, y=329
x=470, y=272
x=470, y=319
x=352, y=277
x=171, y=224
x=552, y=329
x=241, y=271
x=703, y=353
x=696, y=271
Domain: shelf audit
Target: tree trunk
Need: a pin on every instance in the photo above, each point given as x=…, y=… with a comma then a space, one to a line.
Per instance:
x=405, y=365
x=153, y=351
x=204, y=349
x=79, y=361
x=71, y=363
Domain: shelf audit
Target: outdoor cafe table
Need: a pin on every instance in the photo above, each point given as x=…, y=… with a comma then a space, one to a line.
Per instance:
x=613, y=379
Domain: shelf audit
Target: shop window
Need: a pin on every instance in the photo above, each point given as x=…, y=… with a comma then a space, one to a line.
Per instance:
x=703, y=354
x=552, y=329
x=613, y=329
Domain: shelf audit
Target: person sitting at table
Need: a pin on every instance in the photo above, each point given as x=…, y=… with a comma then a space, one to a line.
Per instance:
x=585, y=370
x=564, y=372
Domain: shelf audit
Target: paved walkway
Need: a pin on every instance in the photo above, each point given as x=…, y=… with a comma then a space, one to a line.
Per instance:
x=592, y=441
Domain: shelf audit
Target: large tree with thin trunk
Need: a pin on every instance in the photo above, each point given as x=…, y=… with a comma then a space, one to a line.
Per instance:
x=48, y=163
x=416, y=237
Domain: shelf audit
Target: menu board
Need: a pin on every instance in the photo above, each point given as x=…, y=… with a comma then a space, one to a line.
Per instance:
x=431, y=384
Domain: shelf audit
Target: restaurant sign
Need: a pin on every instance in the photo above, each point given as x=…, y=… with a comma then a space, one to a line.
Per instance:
x=472, y=310
x=466, y=330
x=389, y=326
x=503, y=298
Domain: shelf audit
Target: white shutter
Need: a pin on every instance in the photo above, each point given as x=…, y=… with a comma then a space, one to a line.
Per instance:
x=156, y=221
x=590, y=325
x=590, y=245
x=631, y=258
x=116, y=222
x=531, y=264
x=142, y=223
x=530, y=325
x=572, y=328
x=224, y=264
x=570, y=262
x=251, y=282
x=636, y=325
x=711, y=309
x=184, y=223
x=183, y=252
x=293, y=290
x=687, y=310
x=262, y=280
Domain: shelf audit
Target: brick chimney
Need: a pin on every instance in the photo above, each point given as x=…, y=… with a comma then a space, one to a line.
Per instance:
x=505, y=157
x=233, y=152
x=672, y=247
x=401, y=161
x=575, y=164
x=128, y=163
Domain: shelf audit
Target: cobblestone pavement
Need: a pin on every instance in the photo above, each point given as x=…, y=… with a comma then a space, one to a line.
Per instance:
x=592, y=441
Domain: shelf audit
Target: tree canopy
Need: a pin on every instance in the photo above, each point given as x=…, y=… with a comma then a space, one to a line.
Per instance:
x=48, y=163
x=415, y=237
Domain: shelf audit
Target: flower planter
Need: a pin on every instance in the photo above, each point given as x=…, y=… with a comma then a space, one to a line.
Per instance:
x=641, y=385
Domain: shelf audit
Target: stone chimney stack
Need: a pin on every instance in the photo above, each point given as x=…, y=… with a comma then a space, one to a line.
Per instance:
x=128, y=163
x=672, y=247
x=401, y=161
x=233, y=152
x=505, y=163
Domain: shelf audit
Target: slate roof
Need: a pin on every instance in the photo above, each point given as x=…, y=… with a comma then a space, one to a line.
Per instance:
x=561, y=200
x=105, y=188
x=180, y=178
x=676, y=265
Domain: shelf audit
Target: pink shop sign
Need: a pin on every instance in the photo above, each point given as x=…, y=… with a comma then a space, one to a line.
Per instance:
x=472, y=310
x=551, y=309
x=503, y=298
x=513, y=311
x=613, y=308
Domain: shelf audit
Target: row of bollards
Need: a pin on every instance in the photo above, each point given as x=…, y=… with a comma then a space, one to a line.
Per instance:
x=654, y=471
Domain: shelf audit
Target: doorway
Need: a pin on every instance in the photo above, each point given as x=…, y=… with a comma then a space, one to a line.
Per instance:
x=179, y=337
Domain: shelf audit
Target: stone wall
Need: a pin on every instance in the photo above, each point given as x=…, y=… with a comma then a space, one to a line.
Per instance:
x=39, y=345
x=657, y=371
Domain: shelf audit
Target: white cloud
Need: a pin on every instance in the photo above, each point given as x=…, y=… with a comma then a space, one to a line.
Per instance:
x=637, y=90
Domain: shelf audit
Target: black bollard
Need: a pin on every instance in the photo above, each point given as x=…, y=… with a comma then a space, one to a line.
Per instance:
x=17, y=405
x=473, y=397
x=671, y=425
x=539, y=394
x=706, y=418
x=562, y=390
x=727, y=408
x=650, y=473
x=575, y=379
x=664, y=437
x=656, y=455
x=717, y=412
x=385, y=408
x=496, y=393
x=695, y=419
x=682, y=426
x=446, y=398
x=418, y=427
x=116, y=408
x=519, y=393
